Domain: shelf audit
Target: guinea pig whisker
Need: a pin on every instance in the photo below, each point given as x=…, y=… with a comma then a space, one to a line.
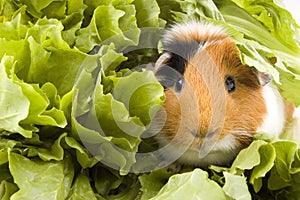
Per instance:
x=239, y=131
x=241, y=134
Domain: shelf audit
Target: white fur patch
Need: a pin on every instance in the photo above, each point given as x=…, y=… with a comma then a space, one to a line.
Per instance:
x=274, y=120
x=186, y=30
x=217, y=152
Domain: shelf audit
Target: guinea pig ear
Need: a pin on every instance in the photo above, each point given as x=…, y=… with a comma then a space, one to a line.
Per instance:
x=263, y=77
x=163, y=59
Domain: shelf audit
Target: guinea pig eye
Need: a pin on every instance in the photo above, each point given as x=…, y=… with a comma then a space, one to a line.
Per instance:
x=179, y=85
x=230, y=84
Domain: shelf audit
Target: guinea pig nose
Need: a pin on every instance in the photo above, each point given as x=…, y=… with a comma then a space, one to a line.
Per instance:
x=213, y=133
x=208, y=135
x=195, y=134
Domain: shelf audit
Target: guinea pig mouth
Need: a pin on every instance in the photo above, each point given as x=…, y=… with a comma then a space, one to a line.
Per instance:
x=205, y=143
x=208, y=135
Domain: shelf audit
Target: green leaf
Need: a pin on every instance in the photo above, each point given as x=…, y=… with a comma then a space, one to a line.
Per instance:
x=59, y=67
x=106, y=180
x=107, y=124
x=75, y=6
x=280, y=174
x=20, y=54
x=66, y=105
x=285, y=152
x=183, y=11
x=236, y=187
x=191, y=185
x=251, y=55
x=14, y=104
x=65, y=112
x=7, y=189
x=290, y=86
x=112, y=186
x=138, y=99
x=109, y=27
x=99, y=147
x=51, y=92
x=147, y=13
x=37, y=179
x=110, y=24
x=3, y=156
x=72, y=23
x=36, y=8
x=56, y=152
x=5, y=174
x=81, y=189
x=115, y=120
x=275, y=182
x=7, y=10
x=260, y=21
x=56, y=9
x=109, y=58
x=39, y=102
x=279, y=21
x=241, y=20
x=267, y=158
x=13, y=30
x=247, y=158
x=83, y=157
x=153, y=182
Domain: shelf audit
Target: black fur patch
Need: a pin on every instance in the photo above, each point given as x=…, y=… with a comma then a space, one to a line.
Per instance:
x=181, y=52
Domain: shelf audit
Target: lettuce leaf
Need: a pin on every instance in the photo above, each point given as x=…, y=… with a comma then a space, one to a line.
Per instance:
x=279, y=21
x=113, y=114
x=17, y=104
x=191, y=185
x=118, y=19
x=252, y=18
x=82, y=189
x=48, y=180
x=7, y=189
x=236, y=187
x=147, y=13
x=153, y=182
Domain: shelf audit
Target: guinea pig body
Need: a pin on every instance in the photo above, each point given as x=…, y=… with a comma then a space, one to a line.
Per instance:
x=214, y=103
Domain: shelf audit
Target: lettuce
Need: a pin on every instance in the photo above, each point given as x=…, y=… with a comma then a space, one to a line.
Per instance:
x=76, y=101
x=275, y=34
x=18, y=110
x=49, y=180
x=186, y=185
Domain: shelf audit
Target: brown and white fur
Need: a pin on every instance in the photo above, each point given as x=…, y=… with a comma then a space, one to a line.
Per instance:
x=203, y=122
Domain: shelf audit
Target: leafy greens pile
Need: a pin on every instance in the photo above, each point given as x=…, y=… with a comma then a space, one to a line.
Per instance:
x=48, y=150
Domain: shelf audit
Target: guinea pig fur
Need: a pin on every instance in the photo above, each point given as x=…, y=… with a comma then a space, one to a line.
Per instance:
x=214, y=103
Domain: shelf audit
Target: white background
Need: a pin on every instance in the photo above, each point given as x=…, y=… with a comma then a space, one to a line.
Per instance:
x=294, y=7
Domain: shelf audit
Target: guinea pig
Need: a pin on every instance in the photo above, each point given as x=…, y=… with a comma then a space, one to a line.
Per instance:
x=214, y=103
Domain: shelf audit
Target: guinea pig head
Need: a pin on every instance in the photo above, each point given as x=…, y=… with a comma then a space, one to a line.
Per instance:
x=214, y=103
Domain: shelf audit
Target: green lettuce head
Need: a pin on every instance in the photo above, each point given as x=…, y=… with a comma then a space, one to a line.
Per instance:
x=77, y=99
